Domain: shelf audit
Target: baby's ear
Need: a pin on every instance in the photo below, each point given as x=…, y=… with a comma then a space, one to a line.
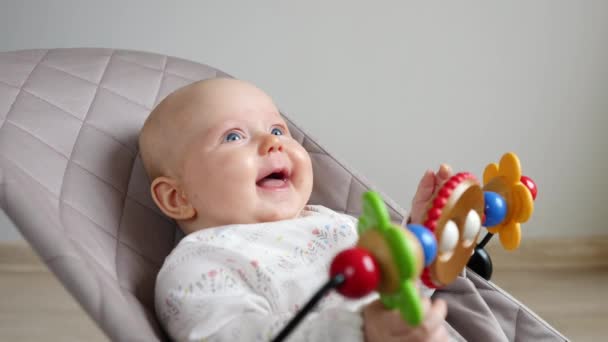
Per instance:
x=170, y=199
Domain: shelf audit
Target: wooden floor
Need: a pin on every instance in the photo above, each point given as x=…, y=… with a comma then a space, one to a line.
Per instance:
x=564, y=281
x=34, y=305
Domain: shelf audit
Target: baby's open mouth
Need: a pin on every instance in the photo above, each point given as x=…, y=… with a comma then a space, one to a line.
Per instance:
x=276, y=179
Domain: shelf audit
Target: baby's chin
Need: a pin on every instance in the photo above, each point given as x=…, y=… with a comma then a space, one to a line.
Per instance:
x=278, y=214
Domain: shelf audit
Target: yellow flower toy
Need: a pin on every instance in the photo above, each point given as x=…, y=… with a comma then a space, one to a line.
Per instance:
x=519, y=193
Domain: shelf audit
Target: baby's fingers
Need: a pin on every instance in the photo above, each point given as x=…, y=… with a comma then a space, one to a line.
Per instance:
x=436, y=314
x=440, y=308
x=444, y=173
x=440, y=334
x=424, y=192
x=425, y=186
x=432, y=328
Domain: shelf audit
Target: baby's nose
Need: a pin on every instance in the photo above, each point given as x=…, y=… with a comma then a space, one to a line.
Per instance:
x=271, y=143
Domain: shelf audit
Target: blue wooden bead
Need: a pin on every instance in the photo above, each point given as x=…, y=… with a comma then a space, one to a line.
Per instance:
x=427, y=241
x=495, y=208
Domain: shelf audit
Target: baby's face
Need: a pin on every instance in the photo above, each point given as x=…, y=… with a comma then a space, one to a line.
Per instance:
x=240, y=163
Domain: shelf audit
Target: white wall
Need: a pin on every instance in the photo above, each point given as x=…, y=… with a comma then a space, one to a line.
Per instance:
x=394, y=87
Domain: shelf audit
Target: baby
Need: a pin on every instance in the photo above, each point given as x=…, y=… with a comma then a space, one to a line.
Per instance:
x=224, y=166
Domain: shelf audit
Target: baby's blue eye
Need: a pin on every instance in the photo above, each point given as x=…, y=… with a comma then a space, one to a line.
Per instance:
x=276, y=131
x=233, y=136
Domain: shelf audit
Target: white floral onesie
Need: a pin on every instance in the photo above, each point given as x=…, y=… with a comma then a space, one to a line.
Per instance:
x=245, y=282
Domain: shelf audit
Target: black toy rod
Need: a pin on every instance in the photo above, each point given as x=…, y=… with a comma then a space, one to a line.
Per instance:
x=485, y=240
x=331, y=284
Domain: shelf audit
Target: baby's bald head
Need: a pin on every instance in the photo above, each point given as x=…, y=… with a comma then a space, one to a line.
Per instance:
x=172, y=123
x=219, y=152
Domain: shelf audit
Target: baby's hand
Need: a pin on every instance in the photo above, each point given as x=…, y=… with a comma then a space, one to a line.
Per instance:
x=428, y=184
x=383, y=325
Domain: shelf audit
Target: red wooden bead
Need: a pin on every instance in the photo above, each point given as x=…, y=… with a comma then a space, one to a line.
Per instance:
x=529, y=183
x=427, y=279
x=360, y=270
x=434, y=213
x=440, y=201
x=445, y=192
x=451, y=184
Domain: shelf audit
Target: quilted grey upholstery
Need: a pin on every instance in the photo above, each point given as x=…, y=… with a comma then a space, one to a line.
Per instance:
x=74, y=185
x=72, y=182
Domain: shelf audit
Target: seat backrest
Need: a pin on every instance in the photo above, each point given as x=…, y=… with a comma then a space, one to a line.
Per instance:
x=74, y=185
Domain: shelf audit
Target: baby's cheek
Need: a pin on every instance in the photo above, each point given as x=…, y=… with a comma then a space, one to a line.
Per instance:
x=303, y=180
x=304, y=164
x=241, y=169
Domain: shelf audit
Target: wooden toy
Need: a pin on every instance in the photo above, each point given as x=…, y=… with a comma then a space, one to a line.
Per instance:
x=389, y=258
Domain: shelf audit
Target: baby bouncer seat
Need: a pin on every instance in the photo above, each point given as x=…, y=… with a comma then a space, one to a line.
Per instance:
x=73, y=183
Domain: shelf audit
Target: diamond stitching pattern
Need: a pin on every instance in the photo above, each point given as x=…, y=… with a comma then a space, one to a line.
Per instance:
x=87, y=64
x=46, y=122
x=144, y=59
x=136, y=83
x=45, y=173
x=43, y=83
x=8, y=95
x=117, y=117
x=17, y=68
